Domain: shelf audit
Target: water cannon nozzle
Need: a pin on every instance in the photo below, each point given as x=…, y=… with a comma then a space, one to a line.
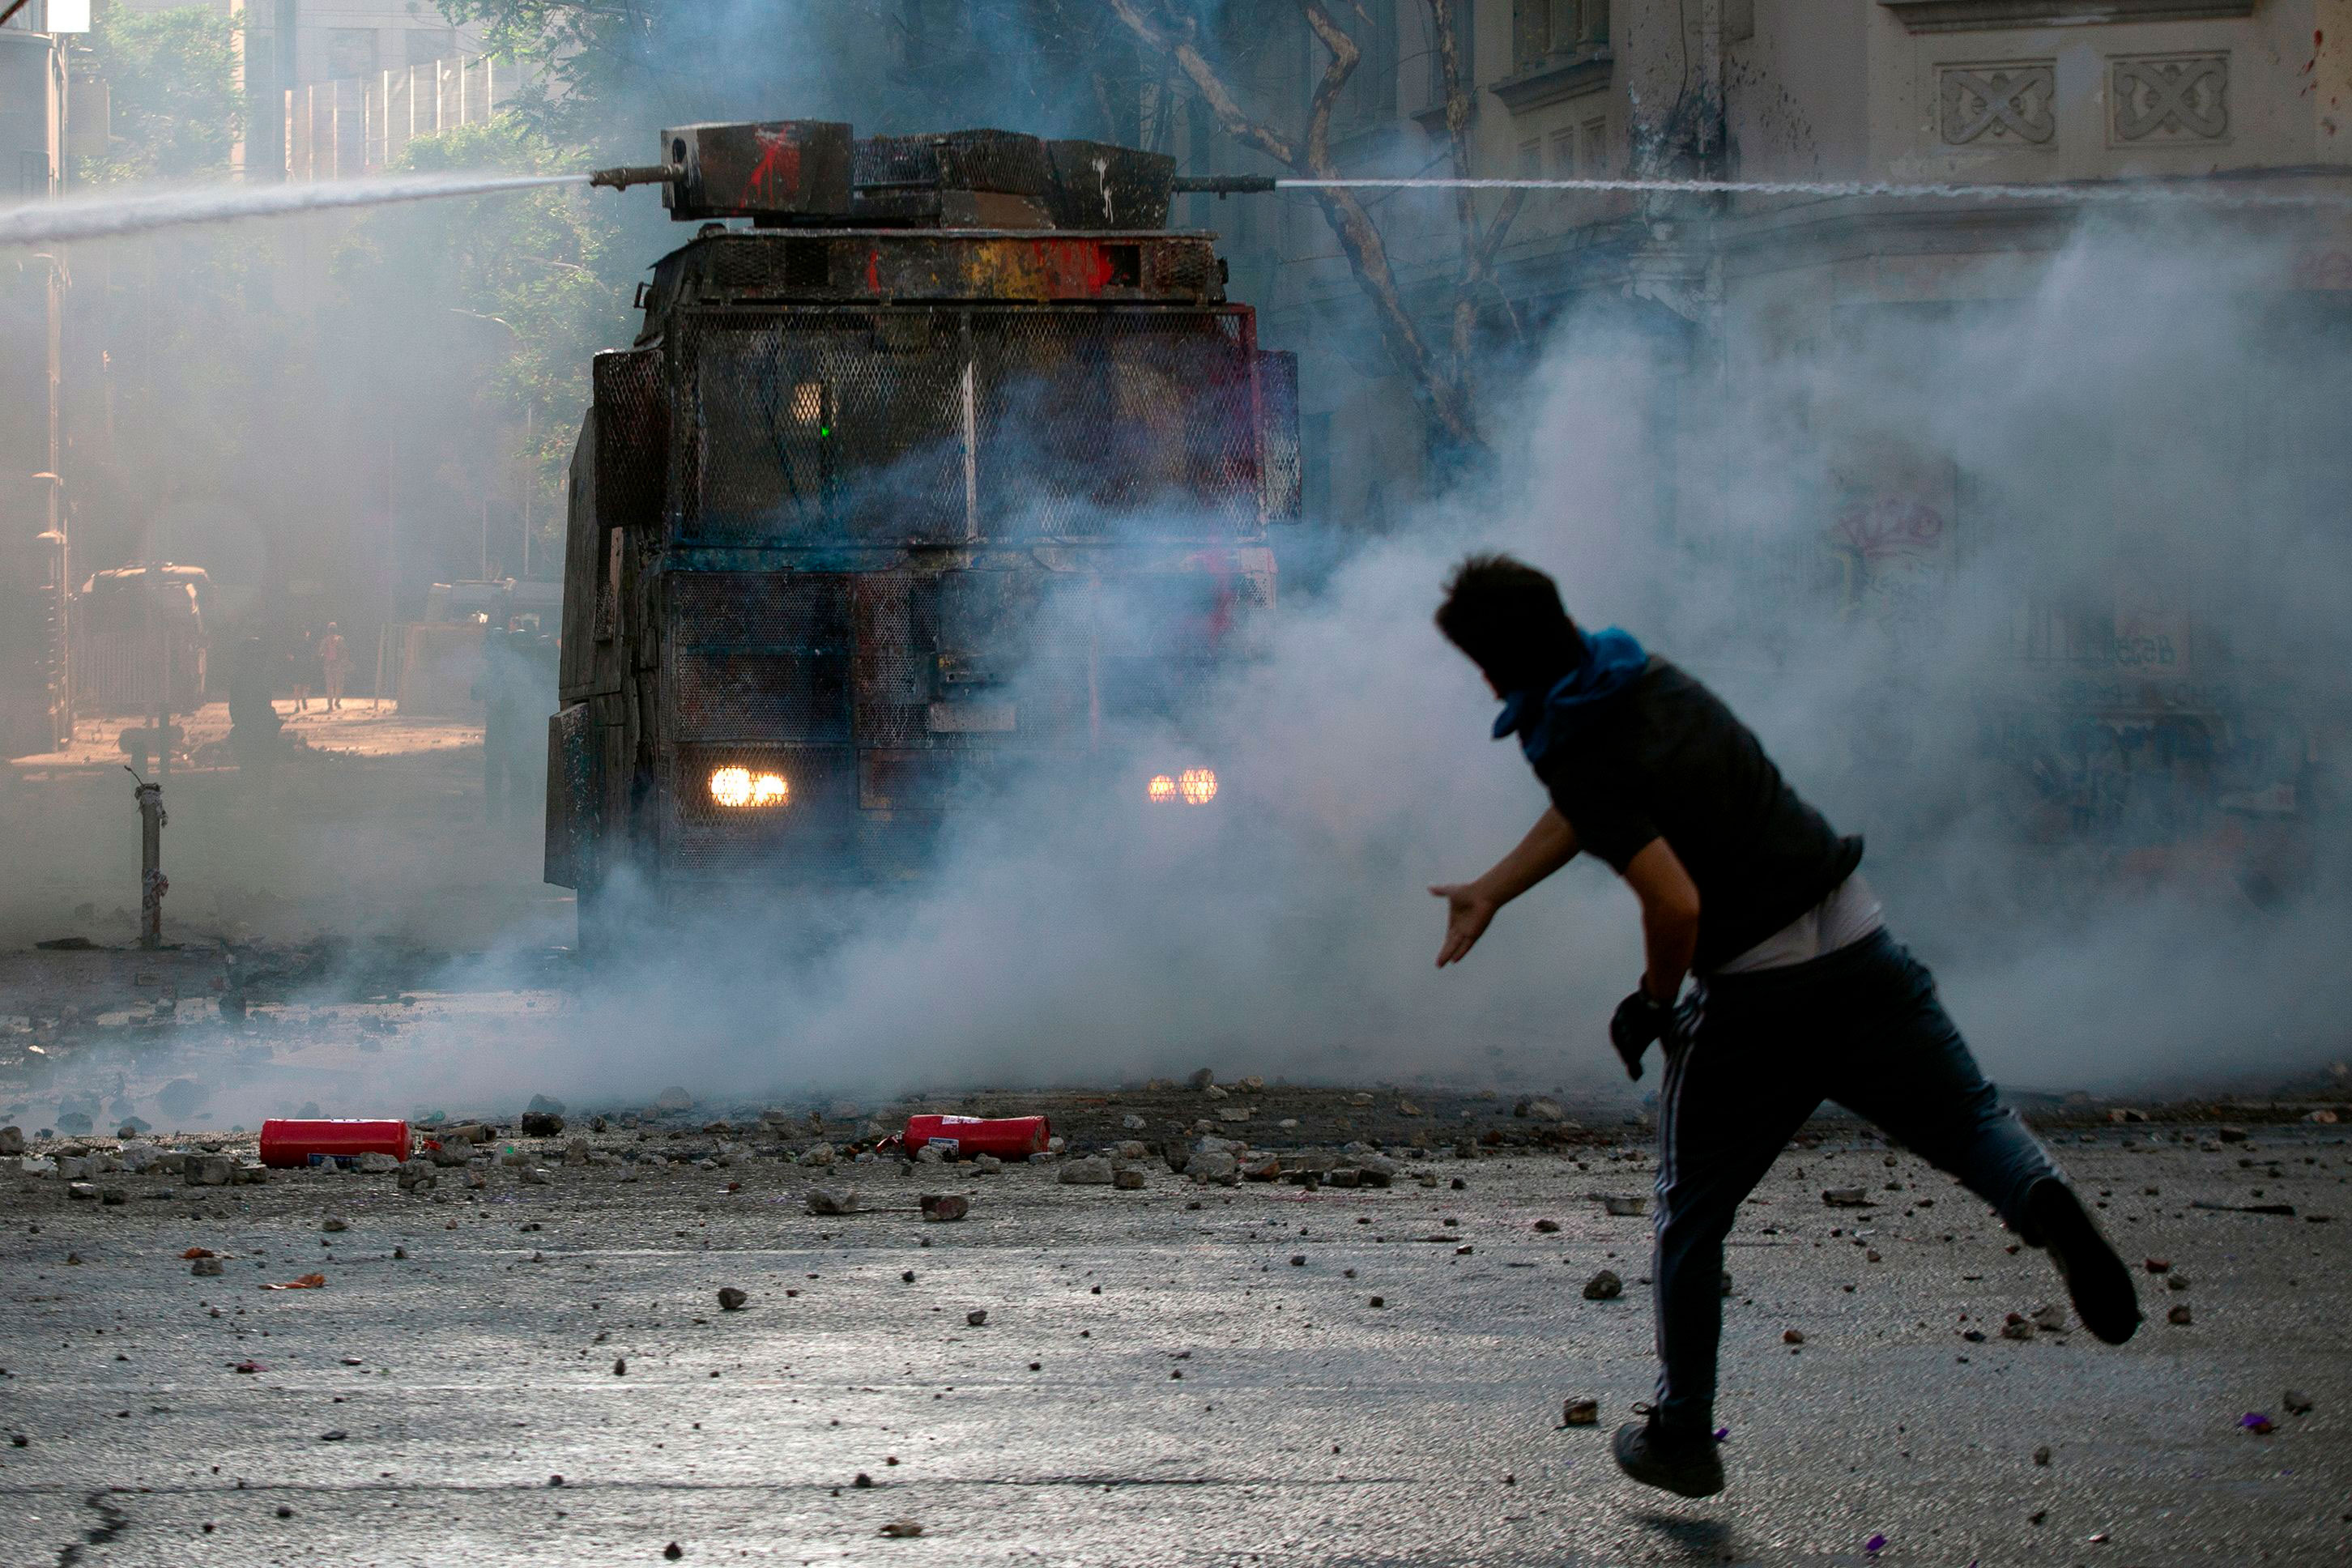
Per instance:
x=629, y=174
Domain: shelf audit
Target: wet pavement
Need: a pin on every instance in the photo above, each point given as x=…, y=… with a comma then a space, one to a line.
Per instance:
x=1172, y=1376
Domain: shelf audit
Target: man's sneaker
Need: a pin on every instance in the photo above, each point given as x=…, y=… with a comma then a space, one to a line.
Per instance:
x=1686, y=1465
x=2095, y=1277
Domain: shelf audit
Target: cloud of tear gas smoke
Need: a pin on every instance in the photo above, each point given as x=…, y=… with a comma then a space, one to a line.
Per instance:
x=1936, y=556
x=1935, y=560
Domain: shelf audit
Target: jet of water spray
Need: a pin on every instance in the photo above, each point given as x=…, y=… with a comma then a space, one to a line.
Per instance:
x=98, y=216
x=2201, y=193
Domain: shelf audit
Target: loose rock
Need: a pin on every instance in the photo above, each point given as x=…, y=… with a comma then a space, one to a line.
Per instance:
x=1604, y=1285
x=1092, y=1170
x=942, y=1208
x=1580, y=1413
x=833, y=1200
x=731, y=1300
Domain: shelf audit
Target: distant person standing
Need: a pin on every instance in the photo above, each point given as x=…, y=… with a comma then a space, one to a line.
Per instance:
x=334, y=665
x=298, y=661
x=503, y=692
x=253, y=718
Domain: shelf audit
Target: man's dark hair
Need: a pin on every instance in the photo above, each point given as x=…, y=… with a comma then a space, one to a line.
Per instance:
x=1508, y=616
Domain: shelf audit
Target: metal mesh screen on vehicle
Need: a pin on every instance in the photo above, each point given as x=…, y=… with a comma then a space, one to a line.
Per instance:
x=827, y=425
x=761, y=654
x=1087, y=417
x=632, y=437
x=895, y=424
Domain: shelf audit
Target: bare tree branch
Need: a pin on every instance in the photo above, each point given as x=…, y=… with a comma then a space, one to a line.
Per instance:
x=1206, y=82
x=1443, y=388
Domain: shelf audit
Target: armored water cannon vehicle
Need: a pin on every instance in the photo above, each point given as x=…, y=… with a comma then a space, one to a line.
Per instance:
x=951, y=471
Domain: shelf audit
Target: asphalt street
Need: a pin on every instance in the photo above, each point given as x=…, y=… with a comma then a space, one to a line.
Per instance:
x=1262, y=1374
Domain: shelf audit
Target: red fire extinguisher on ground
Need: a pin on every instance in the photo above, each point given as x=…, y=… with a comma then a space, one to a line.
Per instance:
x=286, y=1143
x=960, y=1137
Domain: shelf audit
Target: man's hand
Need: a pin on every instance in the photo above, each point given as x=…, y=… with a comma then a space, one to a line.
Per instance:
x=1470, y=906
x=1468, y=912
x=1640, y=1021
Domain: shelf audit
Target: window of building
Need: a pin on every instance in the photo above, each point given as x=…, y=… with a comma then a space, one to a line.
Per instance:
x=1370, y=95
x=1466, y=52
x=426, y=45
x=1564, y=152
x=1594, y=153
x=1542, y=30
x=1530, y=158
x=350, y=52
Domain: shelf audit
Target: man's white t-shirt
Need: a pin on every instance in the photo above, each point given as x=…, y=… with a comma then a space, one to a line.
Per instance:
x=1849, y=913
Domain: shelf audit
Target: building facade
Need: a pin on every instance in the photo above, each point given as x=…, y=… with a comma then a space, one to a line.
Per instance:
x=2136, y=709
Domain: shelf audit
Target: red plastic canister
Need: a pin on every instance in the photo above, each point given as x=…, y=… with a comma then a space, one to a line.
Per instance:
x=286, y=1143
x=1006, y=1137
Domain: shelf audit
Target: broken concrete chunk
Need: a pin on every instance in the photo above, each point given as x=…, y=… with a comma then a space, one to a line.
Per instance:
x=2180, y=1315
x=833, y=1200
x=977, y=1317
x=930, y=1154
x=1132, y=1122
x=1845, y=1197
x=987, y=1164
x=1201, y=1079
x=12, y=1140
x=1545, y=1108
x=418, y=1176
x=377, y=1165
x=2018, y=1327
x=542, y=1124
x=2050, y=1317
x=211, y=1170
x=1212, y=1166
x=1604, y=1285
x=85, y=1191
x=535, y=1176
x=943, y=1207
x=819, y=1154
x=205, y=1267
x=1624, y=1204
x=1261, y=1168
x=1580, y=1413
x=1128, y=1180
x=1215, y=1092
x=902, y=1529
x=731, y=1300
x=1092, y=1170
x=577, y=1152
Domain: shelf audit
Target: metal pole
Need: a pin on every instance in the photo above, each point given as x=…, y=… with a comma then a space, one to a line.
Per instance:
x=529, y=447
x=152, y=883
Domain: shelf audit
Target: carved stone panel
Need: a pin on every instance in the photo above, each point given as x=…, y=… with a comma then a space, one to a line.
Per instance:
x=2155, y=99
x=2004, y=104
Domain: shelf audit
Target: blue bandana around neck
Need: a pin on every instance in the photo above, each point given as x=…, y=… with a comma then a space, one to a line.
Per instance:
x=1611, y=660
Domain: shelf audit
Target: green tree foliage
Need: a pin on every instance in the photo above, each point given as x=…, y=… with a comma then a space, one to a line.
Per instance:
x=520, y=290
x=172, y=77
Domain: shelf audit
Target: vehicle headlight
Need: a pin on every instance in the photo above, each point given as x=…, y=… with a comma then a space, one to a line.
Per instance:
x=1194, y=787
x=736, y=788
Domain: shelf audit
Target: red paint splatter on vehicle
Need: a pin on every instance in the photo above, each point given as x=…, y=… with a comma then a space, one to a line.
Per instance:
x=779, y=166
x=1076, y=266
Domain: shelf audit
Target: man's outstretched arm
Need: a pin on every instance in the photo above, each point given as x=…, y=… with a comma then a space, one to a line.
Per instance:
x=1471, y=906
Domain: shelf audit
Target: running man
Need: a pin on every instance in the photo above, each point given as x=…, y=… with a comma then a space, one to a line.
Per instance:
x=1800, y=996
